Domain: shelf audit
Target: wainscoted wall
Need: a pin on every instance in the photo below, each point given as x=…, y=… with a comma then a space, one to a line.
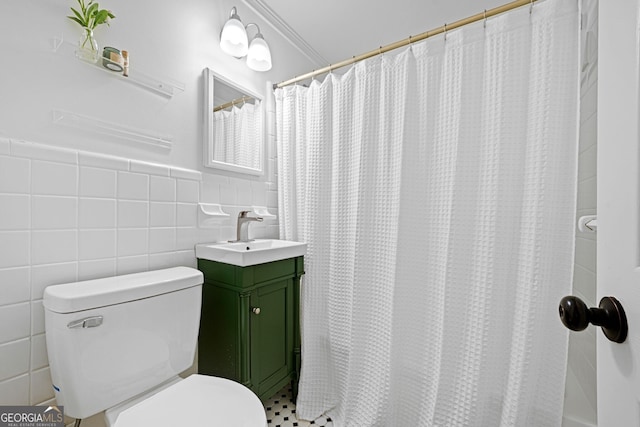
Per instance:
x=68, y=215
x=581, y=390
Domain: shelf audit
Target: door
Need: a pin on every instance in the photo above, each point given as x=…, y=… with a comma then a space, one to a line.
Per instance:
x=618, y=266
x=271, y=337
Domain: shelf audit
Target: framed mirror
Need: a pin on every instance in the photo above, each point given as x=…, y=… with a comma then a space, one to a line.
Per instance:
x=233, y=126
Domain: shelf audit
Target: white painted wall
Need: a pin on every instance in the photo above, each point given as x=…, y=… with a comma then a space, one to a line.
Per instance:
x=580, y=396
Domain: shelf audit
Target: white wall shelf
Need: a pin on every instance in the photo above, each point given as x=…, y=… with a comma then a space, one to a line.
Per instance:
x=160, y=86
x=91, y=124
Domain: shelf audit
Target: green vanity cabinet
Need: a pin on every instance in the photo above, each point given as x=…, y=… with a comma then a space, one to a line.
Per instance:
x=249, y=325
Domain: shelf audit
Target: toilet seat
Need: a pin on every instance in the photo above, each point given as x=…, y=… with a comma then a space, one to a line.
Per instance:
x=197, y=401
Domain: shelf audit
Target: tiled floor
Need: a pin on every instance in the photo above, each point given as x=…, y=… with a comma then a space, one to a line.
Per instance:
x=281, y=412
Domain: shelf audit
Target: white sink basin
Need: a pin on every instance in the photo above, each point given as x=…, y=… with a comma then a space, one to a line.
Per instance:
x=258, y=251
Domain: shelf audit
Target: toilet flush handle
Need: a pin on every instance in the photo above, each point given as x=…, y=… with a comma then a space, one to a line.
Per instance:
x=87, y=322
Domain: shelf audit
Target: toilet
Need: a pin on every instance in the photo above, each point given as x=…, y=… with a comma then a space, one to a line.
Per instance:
x=118, y=344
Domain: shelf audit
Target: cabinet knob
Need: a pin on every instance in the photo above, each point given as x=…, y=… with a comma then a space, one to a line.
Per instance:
x=256, y=310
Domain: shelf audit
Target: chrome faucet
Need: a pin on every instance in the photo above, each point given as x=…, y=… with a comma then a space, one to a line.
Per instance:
x=243, y=226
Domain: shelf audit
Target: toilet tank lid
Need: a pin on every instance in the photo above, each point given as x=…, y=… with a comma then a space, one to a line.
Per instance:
x=88, y=294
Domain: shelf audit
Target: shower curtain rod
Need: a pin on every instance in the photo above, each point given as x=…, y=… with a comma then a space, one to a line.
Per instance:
x=242, y=99
x=411, y=39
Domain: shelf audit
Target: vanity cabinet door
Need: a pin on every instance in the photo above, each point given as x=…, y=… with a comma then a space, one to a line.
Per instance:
x=271, y=337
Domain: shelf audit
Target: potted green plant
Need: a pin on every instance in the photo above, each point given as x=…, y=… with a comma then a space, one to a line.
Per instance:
x=89, y=16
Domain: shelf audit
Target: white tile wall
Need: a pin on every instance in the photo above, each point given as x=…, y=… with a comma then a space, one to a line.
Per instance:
x=14, y=283
x=68, y=216
x=15, y=350
x=14, y=250
x=133, y=186
x=12, y=211
x=15, y=175
x=581, y=392
x=96, y=182
x=57, y=179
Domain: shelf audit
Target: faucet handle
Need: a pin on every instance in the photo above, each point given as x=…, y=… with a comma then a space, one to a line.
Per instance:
x=243, y=214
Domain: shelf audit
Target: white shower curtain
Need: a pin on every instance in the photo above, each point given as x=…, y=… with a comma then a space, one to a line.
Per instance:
x=436, y=190
x=238, y=135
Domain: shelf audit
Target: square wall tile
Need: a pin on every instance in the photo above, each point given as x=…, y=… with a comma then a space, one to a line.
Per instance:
x=59, y=179
x=187, y=258
x=188, y=191
x=51, y=274
x=134, y=241
x=186, y=215
x=133, y=264
x=272, y=199
x=37, y=317
x=162, y=240
x=15, y=391
x=15, y=212
x=41, y=388
x=97, y=213
x=96, y=269
x=14, y=322
x=133, y=186
x=210, y=187
x=14, y=250
x=133, y=214
x=162, y=214
x=258, y=194
x=96, y=244
x=244, y=193
x=15, y=175
x=14, y=285
x=228, y=194
x=50, y=247
x=96, y=182
x=162, y=189
x=186, y=238
x=54, y=212
x=163, y=260
x=15, y=358
x=39, y=357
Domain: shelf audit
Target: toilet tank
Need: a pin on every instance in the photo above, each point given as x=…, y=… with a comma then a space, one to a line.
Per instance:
x=111, y=339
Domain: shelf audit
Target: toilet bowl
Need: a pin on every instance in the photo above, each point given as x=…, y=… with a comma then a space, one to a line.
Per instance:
x=118, y=344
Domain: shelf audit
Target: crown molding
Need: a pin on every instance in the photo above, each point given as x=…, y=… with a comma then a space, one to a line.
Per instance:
x=280, y=25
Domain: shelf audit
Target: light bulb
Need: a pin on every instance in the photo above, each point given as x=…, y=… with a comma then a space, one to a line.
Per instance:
x=233, y=39
x=259, y=56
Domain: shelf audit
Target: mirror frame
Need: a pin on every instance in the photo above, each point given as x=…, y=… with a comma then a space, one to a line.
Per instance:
x=208, y=132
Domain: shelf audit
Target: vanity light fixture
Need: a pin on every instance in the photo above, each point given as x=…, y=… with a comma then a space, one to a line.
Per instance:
x=234, y=42
x=259, y=55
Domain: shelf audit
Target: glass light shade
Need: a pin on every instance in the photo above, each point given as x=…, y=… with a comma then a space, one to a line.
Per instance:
x=259, y=56
x=233, y=39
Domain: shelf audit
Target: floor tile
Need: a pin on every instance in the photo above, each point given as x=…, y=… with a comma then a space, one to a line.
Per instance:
x=281, y=412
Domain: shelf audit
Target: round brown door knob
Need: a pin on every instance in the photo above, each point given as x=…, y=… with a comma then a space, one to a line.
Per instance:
x=576, y=316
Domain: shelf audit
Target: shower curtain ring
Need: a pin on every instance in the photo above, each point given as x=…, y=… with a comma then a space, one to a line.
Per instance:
x=445, y=32
x=485, y=18
x=531, y=7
